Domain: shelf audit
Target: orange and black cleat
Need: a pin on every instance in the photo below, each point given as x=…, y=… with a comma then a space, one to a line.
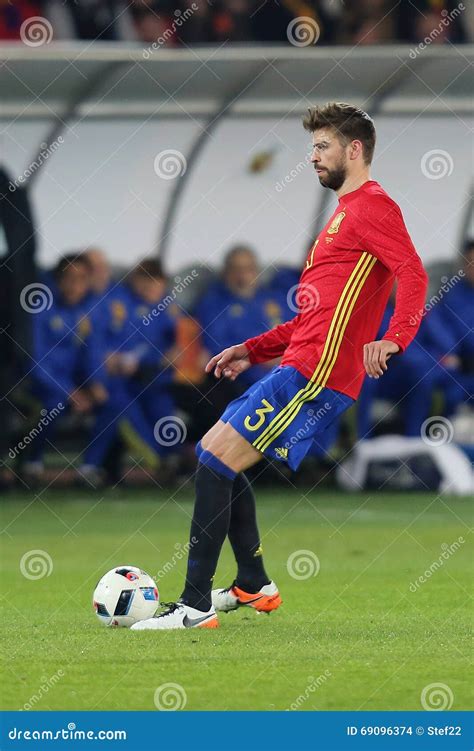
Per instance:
x=264, y=601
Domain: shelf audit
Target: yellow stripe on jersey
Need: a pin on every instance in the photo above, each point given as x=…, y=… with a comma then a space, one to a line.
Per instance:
x=310, y=387
x=326, y=363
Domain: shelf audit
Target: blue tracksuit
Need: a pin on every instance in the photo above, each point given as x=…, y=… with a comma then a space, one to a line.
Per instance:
x=135, y=403
x=66, y=351
x=226, y=319
x=455, y=317
x=409, y=381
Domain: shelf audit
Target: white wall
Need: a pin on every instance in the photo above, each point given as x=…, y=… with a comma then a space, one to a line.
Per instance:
x=100, y=187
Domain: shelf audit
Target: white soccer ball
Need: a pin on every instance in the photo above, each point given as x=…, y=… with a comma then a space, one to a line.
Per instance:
x=125, y=595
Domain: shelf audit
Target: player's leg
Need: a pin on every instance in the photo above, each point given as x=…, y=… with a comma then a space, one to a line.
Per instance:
x=244, y=538
x=222, y=458
x=225, y=454
x=252, y=586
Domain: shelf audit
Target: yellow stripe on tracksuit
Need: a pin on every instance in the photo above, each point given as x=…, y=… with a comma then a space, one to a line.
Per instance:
x=332, y=345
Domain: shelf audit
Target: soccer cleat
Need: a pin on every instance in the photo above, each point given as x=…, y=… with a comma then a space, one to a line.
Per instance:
x=179, y=615
x=264, y=601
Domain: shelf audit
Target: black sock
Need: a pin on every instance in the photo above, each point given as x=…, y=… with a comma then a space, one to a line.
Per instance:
x=209, y=529
x=245, y=538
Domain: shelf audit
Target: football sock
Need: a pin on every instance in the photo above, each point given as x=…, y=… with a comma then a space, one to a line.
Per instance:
x=244, y=537
x=209, y=527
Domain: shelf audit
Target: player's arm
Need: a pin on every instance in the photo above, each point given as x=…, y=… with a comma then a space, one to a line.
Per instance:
x=386, y=237
x=267, y=346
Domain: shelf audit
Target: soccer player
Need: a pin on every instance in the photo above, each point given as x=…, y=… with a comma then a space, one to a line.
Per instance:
x=326, y=351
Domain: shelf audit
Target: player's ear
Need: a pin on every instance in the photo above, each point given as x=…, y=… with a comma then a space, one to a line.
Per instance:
x=356, y=149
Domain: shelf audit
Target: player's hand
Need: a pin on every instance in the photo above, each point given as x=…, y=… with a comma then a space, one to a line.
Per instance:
x=98, y=393
x=376, y=356
x=230, y=363
x=80, y=401
x=112, y=363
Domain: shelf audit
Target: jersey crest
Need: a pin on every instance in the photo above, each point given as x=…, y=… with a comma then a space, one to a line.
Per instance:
x=336, y=223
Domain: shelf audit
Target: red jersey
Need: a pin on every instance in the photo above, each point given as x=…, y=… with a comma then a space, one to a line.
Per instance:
x=343, y=292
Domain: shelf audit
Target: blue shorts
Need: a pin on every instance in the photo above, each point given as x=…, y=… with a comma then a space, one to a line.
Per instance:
x=283, y=413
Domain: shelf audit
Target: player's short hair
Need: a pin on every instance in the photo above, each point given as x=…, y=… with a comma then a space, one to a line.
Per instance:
x=150, y=267
x=71, y=259
x=235, y=250
x=350, y=123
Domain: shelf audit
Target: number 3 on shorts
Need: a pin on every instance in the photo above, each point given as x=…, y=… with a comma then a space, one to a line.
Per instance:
x=261, y=412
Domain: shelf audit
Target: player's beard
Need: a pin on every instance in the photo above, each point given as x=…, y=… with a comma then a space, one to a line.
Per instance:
x=334, y=178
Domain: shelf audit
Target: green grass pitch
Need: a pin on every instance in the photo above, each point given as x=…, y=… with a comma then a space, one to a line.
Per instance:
x=352, y=637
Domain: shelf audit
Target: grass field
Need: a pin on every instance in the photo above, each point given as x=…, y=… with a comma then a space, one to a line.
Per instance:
x=352, y=637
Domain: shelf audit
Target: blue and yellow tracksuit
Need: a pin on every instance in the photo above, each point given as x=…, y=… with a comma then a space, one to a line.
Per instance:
x=67, y=355
x=226, y=319
x=135, y=402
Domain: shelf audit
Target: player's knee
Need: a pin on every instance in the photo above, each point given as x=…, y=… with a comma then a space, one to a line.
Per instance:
x=215, y=448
